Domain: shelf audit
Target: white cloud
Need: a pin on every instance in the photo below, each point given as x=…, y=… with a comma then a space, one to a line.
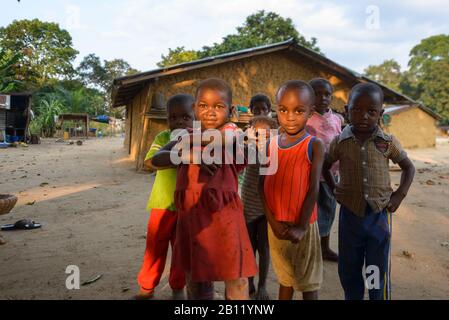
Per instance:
x=139, y=31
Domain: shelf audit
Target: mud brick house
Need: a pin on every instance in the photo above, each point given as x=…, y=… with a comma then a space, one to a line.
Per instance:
x=250, y=71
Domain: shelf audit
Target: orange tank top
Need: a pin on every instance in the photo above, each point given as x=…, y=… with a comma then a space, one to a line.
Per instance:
x=286, y=190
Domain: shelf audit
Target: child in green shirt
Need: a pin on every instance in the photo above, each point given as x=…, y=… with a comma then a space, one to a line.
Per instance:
x=163, y=216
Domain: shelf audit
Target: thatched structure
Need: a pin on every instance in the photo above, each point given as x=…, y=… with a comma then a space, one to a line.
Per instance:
x=260, y=69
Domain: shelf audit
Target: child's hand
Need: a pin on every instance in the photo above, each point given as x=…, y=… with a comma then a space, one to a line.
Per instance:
x=210, y=168
x=296, y=233
x=395, y=201
x=251, y=133
x=280, y=231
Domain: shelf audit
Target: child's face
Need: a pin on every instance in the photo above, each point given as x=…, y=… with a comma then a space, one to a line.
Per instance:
x=260, y=108
x=294, y=109
x=212, y=108
x=323, y=97
x=180, y=116
x=364, y=111
x=262, y=129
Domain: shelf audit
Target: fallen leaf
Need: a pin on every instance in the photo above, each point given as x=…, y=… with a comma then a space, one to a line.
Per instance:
x=31, y=203
x=430, y=182
x=92, y=280
x=408, y=254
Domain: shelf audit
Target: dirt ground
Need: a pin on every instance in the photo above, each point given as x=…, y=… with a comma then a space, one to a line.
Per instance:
x=91, y=203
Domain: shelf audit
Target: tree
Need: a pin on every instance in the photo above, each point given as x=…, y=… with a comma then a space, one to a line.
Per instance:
x=7, y=75
x=388, y=73
x=74, y=96
x=429, y=67
x=427, y=79
x=117, y=68
x=92, y=72
x=100, y=75
x=82, y=100
x=177, y=55
x=430, y=50
x=47, y=50
x=95, y=73
x=261, y=28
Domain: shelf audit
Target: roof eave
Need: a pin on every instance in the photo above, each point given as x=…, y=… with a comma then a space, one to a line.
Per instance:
x=187, y=66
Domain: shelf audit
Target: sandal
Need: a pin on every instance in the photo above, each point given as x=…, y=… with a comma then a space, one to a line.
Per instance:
x=24, y=224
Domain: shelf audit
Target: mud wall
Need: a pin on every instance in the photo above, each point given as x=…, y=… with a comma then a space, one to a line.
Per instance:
x=257, y=74
x=414, y=128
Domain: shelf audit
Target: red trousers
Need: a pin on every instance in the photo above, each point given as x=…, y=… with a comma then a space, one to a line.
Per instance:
x=161, y=231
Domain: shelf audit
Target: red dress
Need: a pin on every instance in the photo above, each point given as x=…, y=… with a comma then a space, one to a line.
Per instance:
x=212, y=242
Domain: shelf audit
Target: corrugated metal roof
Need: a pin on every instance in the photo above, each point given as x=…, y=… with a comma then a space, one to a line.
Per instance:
x=394, y=109
x=125, y=88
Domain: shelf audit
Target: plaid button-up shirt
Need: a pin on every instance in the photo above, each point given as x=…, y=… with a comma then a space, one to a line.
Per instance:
x=364, y=169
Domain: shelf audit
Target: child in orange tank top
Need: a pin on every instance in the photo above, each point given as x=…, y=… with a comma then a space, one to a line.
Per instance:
x=289, y=195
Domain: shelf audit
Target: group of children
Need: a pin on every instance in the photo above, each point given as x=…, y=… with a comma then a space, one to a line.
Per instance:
x=286, y=214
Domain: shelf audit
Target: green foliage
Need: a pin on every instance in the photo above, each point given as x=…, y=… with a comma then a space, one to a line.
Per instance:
x=91, y=72
x=38, y=56
x=46, y=51
x=387, y=73
x=176, y=56
x=95, y=73
x=261, y=28
x=35, y=127
x=49, y=107
x=433, y=85
x=429, y=65
x=429, y=51
x=7, y=76
x=427, y=79
x=100, y=75
x=74, y=96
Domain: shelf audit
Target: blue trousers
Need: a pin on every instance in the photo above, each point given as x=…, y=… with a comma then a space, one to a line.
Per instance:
x=364, y=241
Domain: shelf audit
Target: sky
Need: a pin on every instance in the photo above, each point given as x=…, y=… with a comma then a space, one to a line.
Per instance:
x=352, y=33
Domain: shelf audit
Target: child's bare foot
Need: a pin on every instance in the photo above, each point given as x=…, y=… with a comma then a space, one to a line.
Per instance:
x=330, y=255
x=327, y=253
x=144, y=295
x=262, y=294
x=178, y=295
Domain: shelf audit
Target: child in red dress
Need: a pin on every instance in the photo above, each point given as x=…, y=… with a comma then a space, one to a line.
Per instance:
x=212, y=242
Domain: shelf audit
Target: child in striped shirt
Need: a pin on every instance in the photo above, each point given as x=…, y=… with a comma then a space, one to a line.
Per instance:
x=256, y=221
